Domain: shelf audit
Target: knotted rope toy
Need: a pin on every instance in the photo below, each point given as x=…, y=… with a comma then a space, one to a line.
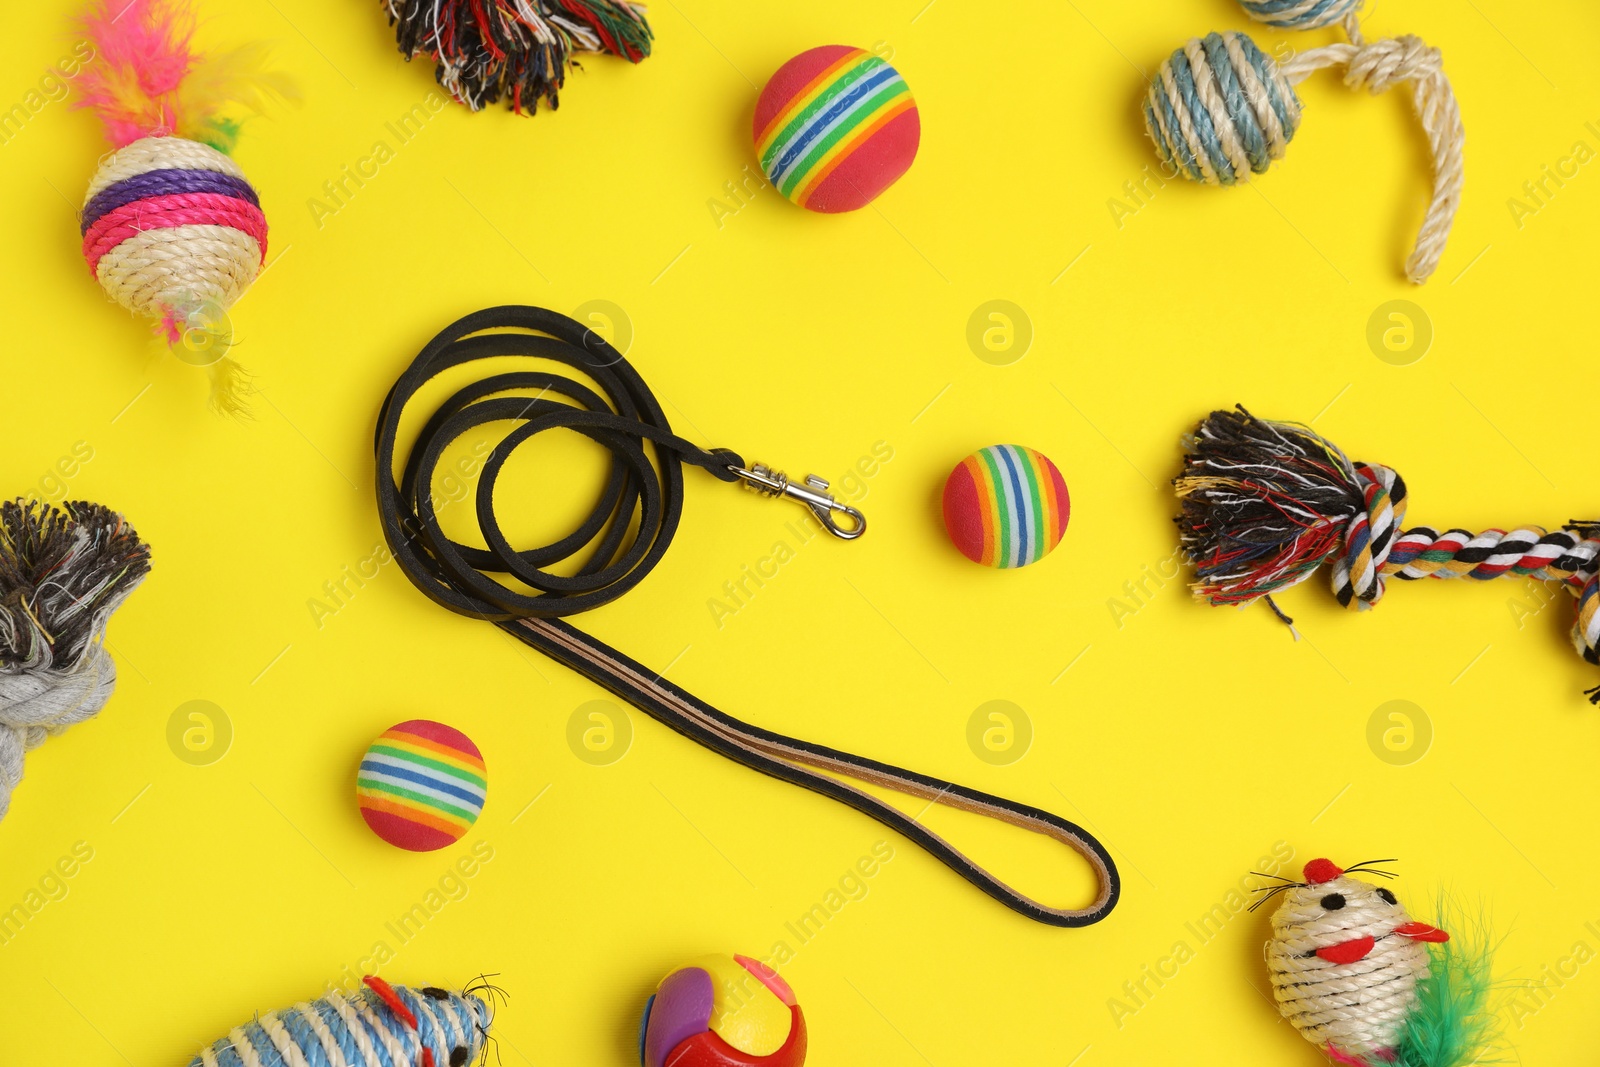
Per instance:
x=62, y=573
x=1220, y=108
x=380, y=1026
x=615, y=547
x=517, y=51
x=1353, y=973
x=1266, y=503
x=171, y=227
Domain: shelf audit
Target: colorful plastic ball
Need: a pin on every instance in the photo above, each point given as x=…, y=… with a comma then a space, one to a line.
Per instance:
x=1006, y=506
x=421, y=785
x=835, y=127
x=722, y=1011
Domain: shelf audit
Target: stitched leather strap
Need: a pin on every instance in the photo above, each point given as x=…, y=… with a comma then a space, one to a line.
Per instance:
x=632, y=524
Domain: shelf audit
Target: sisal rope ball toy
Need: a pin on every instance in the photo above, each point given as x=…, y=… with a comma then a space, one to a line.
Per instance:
x=171, y=228
x=1354, y=974
x=1266, y=503
x=1220, y=108
x=380, y=1026
x=62, y=573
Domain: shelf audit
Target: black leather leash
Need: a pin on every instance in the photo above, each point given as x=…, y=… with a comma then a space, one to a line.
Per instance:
x=622, y=416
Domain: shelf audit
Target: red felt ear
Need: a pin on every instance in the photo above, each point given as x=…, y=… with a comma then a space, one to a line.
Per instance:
x=1319, y=871
x=387, y=994
x=1421, y=932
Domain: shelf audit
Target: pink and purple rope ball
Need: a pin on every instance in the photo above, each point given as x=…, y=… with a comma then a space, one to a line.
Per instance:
x=171, y=225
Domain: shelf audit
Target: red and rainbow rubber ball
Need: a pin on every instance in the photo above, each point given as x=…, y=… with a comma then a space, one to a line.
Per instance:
x=722, y=1011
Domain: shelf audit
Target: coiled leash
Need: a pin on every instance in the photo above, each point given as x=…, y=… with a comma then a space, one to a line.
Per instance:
x=624, y=416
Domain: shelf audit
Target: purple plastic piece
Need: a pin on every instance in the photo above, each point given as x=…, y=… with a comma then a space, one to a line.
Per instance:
x=682, y=1010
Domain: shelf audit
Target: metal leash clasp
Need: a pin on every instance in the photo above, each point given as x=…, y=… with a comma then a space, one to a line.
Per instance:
x=813, y=494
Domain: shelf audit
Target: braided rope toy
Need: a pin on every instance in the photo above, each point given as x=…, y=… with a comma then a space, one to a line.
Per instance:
x=62, y=573
x=380, y=1026
x=1352, y=971
x=171, y=227
x=518, y=51
x=1220, y=108
x=1266, y=503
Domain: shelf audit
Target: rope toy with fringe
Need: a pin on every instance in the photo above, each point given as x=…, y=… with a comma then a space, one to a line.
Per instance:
x=171, y=227
x=1220, y=109
x=1266, y=503
x=1352, y=972
x=380, y=1026
x=62, y=573
x=517, y=51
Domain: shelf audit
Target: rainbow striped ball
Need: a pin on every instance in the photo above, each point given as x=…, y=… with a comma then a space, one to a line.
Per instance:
x=421, y=785
x=835, y=127
x=1006, y=506
x=171, y=226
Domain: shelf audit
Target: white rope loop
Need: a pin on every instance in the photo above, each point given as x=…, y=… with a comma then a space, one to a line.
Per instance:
x=1379, y=66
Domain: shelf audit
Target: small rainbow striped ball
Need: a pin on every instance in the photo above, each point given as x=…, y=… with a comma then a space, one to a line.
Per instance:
x=171, y=226
x=722, y=1011
x=1219, y=110
x=1299, y=14
x=421, y=785
x=835, y=127
x=1006, y=506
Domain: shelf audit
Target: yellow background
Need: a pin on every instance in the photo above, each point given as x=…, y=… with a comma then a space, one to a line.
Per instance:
x=1192, y=739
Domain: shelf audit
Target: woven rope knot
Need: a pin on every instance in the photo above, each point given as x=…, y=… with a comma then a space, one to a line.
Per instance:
x=1358, y=579
x=36, y=704
x=63, y=571
x=1381, y=65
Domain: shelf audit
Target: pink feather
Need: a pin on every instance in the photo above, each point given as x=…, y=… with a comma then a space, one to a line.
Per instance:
x=143, y=55
x=148, y=79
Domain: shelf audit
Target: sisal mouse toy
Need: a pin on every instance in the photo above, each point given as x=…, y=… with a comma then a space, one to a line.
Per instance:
x=1355, y=974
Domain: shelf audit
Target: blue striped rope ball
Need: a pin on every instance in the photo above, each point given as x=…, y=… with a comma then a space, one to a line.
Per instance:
x=1220, y=109
x=1299, y=14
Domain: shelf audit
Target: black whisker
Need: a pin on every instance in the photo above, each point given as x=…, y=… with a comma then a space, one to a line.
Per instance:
x=1268, y=892
x=1279, y=877
x=1365, y=867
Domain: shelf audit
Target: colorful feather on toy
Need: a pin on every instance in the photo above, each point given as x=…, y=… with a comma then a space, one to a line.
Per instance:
x=148, y=79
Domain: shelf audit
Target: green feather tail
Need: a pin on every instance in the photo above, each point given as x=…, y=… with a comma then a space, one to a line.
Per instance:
x=1453, y=1023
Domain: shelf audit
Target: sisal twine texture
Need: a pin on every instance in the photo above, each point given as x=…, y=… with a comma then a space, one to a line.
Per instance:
x=1266, y=503
x=1220, y=109
x=62, y=573
x=378, y=1026
x=1358, y=1008
x=1299, y=14
x=170, y=226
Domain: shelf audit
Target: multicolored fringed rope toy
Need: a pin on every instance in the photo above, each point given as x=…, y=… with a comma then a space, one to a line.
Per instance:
x=518, y=51
x=1267, y=503
x=62, y=573
x=1353, y=973
x=171, y=227
x=1220, y=108
x=381, y=1026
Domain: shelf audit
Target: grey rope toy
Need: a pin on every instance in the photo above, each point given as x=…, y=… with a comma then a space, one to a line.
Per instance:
x=63, y=571
x=1220, y=108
